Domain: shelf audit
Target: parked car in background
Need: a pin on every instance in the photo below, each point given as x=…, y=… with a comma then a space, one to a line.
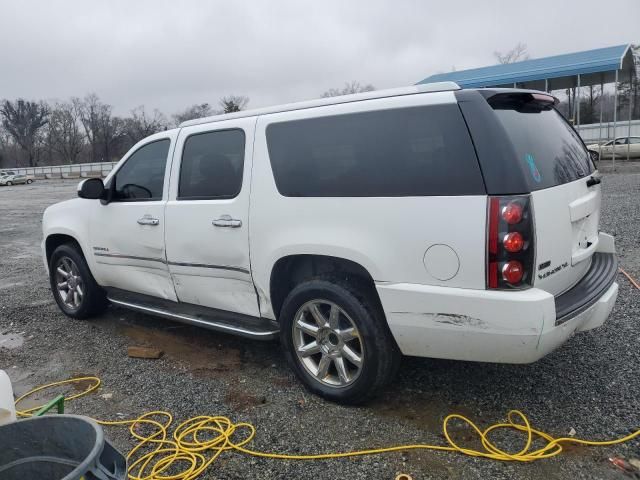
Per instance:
x=356, y=228
x=620, y=146
x=9, y=180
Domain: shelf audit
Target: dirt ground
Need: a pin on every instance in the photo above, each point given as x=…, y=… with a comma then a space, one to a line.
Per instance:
x=591, y=384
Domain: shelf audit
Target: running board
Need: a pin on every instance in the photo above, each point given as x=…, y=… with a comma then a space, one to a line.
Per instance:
x=210, y=318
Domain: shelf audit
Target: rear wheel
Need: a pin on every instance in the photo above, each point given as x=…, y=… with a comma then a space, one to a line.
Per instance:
x=74, y=288
x=337, y=341
x=29, y=181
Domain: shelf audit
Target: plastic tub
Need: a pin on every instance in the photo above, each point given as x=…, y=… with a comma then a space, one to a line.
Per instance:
x=58, y=447
x=7, y=407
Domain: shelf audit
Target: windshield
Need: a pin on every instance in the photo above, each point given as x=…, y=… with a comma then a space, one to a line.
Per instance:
x=551, y=151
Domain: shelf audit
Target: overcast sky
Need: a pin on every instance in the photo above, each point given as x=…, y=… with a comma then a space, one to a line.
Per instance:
x=170, y=54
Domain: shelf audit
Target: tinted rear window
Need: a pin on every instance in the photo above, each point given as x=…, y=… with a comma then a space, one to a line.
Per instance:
x=416, y=151
x=550, y=150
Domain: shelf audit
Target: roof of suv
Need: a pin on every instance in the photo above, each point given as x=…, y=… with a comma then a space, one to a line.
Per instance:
x=321, y=102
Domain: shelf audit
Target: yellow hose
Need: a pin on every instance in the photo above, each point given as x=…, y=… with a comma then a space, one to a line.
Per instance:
x=197, y=442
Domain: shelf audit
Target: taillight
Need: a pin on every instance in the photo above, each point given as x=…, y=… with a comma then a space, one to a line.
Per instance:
x=513, y=242
x=510, y=235
x=512, y=272
x=512, y=213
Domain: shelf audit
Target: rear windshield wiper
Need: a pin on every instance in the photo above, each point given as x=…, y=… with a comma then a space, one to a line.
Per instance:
x=593, y=181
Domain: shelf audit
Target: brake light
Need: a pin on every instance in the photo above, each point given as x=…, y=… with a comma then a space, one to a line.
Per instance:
x=512, y=272
x=513, y=242
x=510, y=236
x=512, y=213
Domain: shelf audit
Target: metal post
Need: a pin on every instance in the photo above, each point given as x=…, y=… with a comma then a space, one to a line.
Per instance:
x=578, y=105
x=600, y=126
x=546, y=85
x=615, y=118
x=629, y=131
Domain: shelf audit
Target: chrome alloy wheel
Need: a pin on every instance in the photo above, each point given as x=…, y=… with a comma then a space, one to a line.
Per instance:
x=328, y=343
x=69, y=283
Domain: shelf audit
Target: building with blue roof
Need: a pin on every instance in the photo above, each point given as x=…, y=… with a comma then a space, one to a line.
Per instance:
x=558, y=72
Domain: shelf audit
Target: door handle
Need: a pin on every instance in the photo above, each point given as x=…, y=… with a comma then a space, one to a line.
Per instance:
x=227, y=221
x=148, y=220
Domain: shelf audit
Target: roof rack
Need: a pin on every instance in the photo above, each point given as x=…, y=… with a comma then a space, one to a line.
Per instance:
x=321, y=102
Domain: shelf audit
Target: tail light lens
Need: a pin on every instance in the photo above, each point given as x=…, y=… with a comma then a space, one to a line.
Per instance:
x=513, y=242
x=510, y=238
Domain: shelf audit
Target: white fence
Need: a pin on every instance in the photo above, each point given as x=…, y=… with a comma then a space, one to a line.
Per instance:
x=79, y=170
x=594, y=131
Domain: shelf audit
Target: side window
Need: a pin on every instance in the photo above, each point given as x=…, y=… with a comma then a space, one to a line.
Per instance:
x=142, y=176
x=621, y=141
x=416, y=151
x=634, y=140
x=212, y=165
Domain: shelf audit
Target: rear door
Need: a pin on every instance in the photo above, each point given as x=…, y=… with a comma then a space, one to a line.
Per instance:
x=207, y=216
x=566, y=206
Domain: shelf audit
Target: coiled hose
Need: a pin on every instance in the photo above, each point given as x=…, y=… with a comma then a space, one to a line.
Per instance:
x=196, y=443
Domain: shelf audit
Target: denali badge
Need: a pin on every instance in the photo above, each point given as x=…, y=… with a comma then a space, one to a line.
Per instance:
x=551, y=272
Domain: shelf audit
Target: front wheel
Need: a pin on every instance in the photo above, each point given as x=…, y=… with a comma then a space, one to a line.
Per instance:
x=336, y=340
x=595, y=156
x=74, y=288
x=9, y=184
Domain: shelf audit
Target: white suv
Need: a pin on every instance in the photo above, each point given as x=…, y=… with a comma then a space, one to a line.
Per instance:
x=428, y=221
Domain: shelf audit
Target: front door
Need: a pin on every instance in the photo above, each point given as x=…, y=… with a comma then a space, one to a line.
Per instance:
x=207, y=215
x=127, y=234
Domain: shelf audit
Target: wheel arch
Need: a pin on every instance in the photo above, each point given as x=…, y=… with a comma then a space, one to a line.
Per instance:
x=54, y=240
x=290, y=270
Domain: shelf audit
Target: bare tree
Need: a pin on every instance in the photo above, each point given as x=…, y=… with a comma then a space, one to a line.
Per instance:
x=194, y=111
x=91, y=110
x=349, y=88
x=66, y=138
x=103, y=130
x=516, y=54
x=24, y=120
x=141, y=125
x=233, y=103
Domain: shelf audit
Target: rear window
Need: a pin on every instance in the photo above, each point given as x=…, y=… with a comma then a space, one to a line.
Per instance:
x=550, y=151
x=416, y=151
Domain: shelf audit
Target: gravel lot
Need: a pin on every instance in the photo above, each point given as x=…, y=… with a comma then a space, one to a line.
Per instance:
x=592, y=384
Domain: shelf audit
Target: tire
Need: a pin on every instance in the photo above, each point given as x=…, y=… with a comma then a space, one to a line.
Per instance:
x=595, y=156
x=29, y=181
x=374, y=345
x=90, y=298
x=9, y=184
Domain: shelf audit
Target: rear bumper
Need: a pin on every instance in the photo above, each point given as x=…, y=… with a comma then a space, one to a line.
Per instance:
x=598, y=279
x=495, y=326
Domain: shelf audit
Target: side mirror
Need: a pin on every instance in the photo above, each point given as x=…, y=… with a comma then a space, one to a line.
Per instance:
x=91, y=188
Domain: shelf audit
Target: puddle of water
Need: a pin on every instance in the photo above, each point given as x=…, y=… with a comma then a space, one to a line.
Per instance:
x=197, y=354
x=11, y=340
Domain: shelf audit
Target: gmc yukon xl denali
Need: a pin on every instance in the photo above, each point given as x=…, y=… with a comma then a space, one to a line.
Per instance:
x=431, y=221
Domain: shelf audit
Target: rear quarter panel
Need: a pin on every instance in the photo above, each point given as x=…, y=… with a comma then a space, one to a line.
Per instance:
x=387, y=236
